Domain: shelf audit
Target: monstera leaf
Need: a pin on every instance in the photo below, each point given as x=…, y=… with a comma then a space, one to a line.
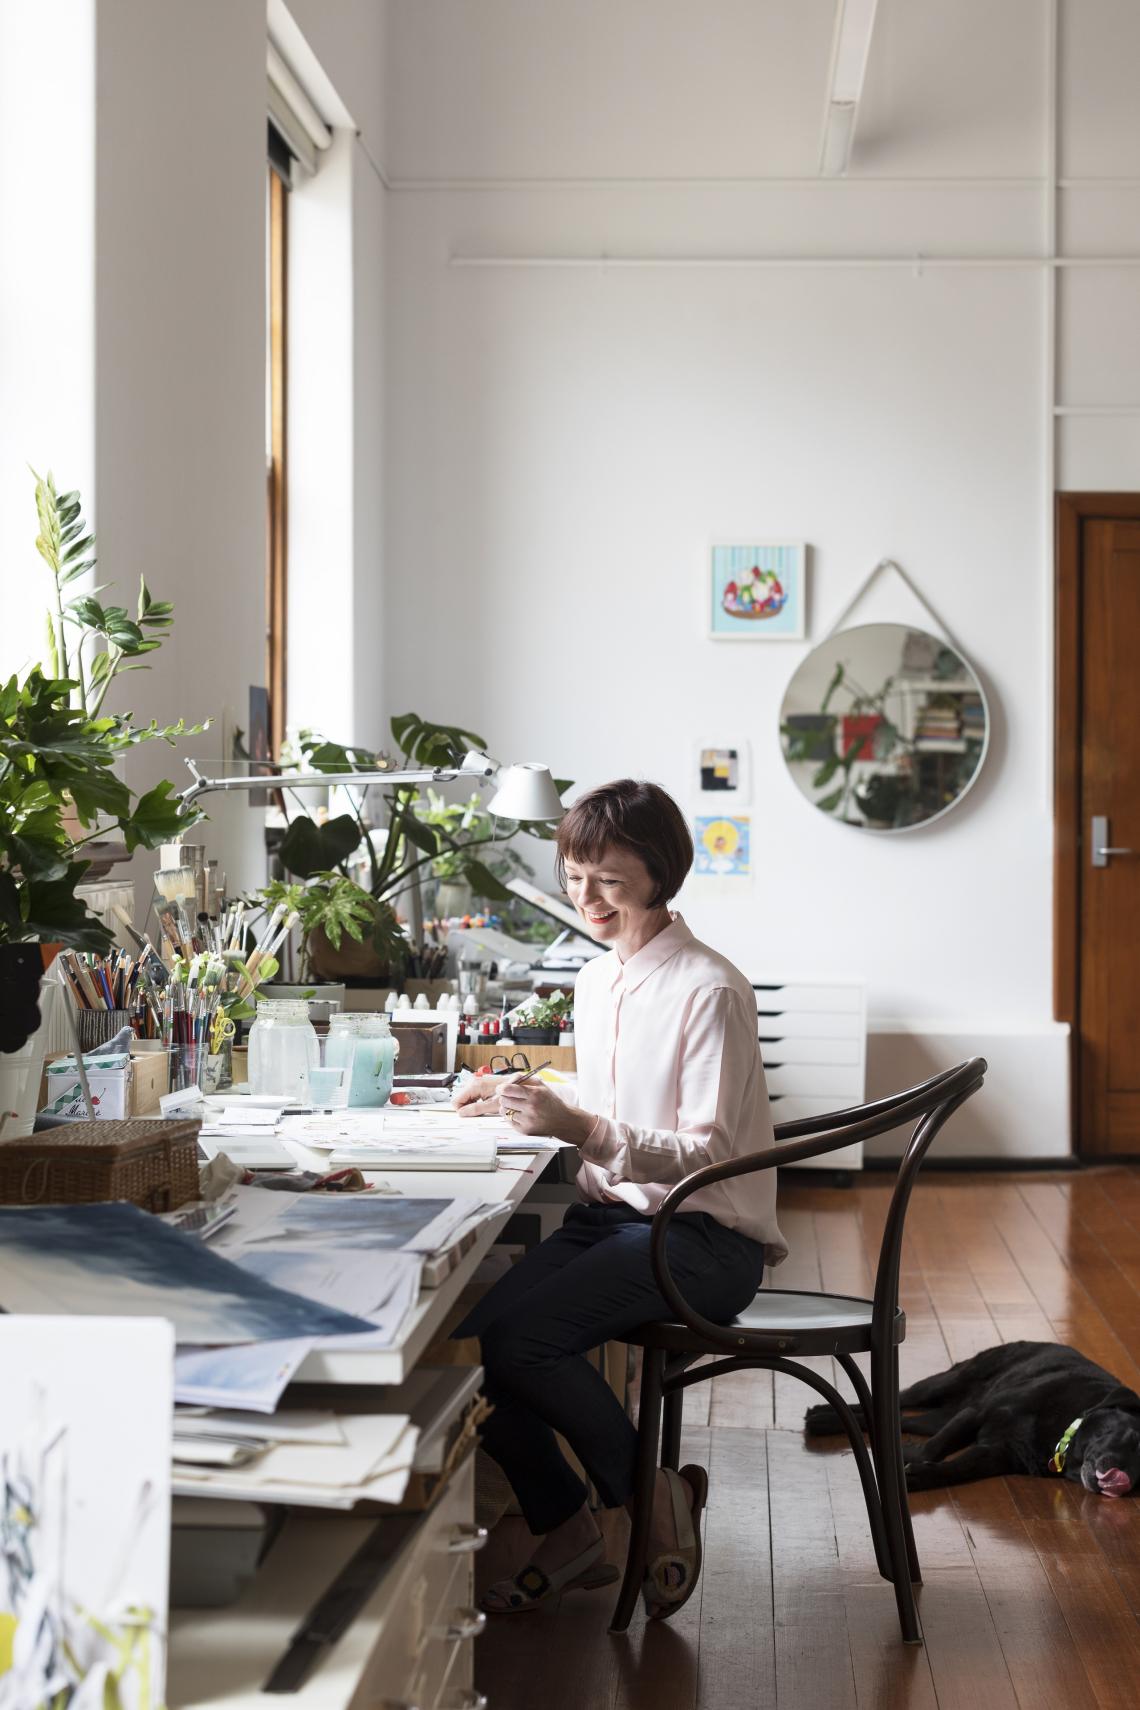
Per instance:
x=308, y=848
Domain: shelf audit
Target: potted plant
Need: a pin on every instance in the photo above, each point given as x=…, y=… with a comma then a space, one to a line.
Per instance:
x=539, y=1020
x=881, y=798
x=59, y=790
x=328, y=905
x=467, y=823
x=386, y=862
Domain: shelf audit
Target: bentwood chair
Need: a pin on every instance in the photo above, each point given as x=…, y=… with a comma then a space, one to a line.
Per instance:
x=782, y=1323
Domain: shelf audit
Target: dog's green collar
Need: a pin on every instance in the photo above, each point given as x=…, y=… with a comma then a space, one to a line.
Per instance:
x=1057, y=1464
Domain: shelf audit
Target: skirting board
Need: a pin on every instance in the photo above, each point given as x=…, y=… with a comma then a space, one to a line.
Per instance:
x=1021, y=1112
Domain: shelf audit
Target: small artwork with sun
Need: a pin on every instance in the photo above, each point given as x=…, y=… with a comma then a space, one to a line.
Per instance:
x=722, y=846
x=757, y=592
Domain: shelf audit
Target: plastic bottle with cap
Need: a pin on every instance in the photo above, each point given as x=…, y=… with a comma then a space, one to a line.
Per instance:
x=421, y=1001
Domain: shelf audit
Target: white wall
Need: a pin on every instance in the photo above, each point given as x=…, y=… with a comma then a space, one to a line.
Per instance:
x=566, y=437
x=47, y=116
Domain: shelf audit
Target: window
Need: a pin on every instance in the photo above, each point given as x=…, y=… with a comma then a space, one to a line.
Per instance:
x=276, y=322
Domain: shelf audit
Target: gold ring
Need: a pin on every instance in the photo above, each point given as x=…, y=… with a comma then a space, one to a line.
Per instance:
x=509, y=1113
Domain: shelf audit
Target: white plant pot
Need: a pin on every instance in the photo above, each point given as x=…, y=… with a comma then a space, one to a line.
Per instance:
x=20, y=1070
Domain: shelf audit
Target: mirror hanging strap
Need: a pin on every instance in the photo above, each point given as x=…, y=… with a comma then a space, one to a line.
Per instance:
x=865, y=585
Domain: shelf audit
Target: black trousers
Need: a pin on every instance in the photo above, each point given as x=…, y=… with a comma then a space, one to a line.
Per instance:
x=590, y=1282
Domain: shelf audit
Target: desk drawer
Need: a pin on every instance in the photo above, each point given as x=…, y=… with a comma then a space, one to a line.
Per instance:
x=777, y=1050
x=777, y=999
x=842, y=1082
x=413, y=1649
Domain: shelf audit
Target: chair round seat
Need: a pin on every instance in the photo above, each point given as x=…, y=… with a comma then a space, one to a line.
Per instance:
x=780, y=1321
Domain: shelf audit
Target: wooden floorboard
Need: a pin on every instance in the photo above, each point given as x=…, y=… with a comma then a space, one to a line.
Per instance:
x=1031, y=1594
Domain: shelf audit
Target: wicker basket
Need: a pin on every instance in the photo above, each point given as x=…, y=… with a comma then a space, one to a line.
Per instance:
x=154, y=1165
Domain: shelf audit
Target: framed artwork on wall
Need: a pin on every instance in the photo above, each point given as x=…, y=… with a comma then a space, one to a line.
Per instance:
x=723, y=846
x=723, y=775
x=757, y=592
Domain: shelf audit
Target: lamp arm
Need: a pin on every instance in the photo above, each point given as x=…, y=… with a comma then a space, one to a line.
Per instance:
x=482, y=768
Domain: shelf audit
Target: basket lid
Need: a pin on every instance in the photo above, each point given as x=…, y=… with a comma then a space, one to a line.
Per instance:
x=112, y=1137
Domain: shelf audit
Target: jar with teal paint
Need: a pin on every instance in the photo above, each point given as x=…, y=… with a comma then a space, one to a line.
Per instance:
x=362, y=1043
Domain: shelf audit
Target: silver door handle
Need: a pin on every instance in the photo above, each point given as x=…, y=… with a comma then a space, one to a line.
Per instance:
x=1101, y=848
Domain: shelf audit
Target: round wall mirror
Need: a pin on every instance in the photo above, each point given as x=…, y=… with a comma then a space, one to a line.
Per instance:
x=884, y=727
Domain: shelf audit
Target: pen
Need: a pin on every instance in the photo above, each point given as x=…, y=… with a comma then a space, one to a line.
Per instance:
x=531, y=1073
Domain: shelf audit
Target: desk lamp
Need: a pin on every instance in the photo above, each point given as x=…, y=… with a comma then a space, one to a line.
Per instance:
x=522, y=792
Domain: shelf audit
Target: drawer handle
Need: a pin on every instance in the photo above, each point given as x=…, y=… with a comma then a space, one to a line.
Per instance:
x=465, y=1540
x=397, y=1704
x=469, y=1700
x=462, y=1624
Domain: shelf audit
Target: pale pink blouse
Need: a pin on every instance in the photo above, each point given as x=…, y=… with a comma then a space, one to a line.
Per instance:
x=668, y=1058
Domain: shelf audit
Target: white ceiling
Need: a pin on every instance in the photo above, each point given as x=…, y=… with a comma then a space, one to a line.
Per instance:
x=516, y=89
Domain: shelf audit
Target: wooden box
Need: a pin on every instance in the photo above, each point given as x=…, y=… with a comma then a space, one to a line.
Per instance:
x=423, y=1046
x=560, y=1057
x=154, y=1165
x=149, y=1079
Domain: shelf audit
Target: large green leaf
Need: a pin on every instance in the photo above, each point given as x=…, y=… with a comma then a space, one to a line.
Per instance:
x=483, y=882
x=309, y=848
x=157, y=817
x=55, y=913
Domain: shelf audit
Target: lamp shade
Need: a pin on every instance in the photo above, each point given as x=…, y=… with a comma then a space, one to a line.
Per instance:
x=525, y=791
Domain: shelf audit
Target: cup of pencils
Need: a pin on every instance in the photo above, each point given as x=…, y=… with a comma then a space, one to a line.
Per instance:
x=115, y=991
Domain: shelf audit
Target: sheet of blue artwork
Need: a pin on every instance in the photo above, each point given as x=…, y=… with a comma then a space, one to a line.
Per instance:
x=116, y=1261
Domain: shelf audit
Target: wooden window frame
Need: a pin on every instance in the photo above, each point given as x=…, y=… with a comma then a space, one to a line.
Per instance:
x=277, y=545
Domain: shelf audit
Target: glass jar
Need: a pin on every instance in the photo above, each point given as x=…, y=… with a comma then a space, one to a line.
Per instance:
x=282, y=1049
x=362, y=1043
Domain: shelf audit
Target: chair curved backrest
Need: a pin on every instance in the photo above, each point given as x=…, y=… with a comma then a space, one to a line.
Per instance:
x=929, y=1105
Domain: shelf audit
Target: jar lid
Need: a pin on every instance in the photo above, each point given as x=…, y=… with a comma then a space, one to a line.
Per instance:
x=282, y=1009
x=363, y=1021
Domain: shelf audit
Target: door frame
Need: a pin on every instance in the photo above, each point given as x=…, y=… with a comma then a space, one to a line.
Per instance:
x=1072, y=510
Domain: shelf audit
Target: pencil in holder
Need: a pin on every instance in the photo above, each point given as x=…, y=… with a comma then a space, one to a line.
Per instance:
x=96, y=1026
x=187, y=1066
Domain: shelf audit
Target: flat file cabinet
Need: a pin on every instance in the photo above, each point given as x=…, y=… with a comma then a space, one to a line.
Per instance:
x=813, y=1039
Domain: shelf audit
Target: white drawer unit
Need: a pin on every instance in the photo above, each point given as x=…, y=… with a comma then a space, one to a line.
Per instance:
x=813, y=1039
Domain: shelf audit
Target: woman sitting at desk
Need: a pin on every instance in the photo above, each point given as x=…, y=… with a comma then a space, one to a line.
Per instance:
x=669, y=1079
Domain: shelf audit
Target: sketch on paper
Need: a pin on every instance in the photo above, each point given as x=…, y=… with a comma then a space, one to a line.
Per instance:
x=85, y=1428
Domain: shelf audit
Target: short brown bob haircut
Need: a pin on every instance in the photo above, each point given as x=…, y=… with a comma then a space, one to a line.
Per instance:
x=629, y=814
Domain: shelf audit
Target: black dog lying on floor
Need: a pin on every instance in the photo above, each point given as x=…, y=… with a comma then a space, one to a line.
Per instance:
x=1009, y=1410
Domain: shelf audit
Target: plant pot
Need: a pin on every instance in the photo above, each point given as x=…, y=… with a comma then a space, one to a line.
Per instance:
x=20, y=1070
x=535, y=1035
x=352, y=961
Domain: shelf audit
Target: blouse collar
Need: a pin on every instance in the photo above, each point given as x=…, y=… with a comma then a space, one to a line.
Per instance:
x=653, y=955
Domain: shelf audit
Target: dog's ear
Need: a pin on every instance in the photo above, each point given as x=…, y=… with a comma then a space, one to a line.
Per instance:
x=1121, y=1400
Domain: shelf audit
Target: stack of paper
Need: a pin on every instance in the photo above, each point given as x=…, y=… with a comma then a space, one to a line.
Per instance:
x=368, y=1458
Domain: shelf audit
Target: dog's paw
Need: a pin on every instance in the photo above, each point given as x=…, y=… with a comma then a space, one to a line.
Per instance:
x=923, y=1475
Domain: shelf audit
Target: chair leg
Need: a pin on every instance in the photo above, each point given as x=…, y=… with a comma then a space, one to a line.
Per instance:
x=867, y=1471
x=913, y=1566
x=862, y=1389
x=888, y=1439
x=671, y=1428
x=644, y=1479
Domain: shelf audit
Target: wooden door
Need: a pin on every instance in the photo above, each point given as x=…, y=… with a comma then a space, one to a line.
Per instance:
x=1109, y=843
